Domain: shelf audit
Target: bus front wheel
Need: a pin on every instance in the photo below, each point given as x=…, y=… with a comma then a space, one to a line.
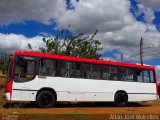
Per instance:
x=46, y=99
x=120, y=99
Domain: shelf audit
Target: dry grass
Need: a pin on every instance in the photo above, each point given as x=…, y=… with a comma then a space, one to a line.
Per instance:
x=2, y=80
x=2, y=85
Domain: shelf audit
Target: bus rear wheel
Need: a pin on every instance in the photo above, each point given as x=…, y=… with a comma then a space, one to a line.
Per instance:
x=120, y=99
x=46, y=99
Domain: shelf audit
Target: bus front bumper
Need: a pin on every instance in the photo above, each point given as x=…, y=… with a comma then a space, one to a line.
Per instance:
x=6, y=96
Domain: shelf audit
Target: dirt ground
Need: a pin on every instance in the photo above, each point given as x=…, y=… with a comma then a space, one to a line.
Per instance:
x=84, y=111
x=149, y=110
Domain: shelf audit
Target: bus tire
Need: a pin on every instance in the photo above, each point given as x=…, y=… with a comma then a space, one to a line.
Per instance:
x=46, y=99
x=121, y=99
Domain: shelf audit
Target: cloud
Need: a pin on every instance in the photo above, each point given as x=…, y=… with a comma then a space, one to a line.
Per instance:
x=148, y=13
x=158, y=68
x=102, y=15
x=148, y=7
x=155, y=4
x=117, y=26
x=12, y=42
x=18, y=11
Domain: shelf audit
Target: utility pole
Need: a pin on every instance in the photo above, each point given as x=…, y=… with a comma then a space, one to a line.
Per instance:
x=121, y=57
x=141, y=50
x=141, y=56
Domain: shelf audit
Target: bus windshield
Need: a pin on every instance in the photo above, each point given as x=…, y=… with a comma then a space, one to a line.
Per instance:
x=25, y=68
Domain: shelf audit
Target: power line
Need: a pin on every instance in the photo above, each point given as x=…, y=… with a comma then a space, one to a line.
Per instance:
x=131, y=56
x=145, y=46
x=147, y=42
x=153, y=49
x=148, y=55
x=133, y=59
x=153, y=54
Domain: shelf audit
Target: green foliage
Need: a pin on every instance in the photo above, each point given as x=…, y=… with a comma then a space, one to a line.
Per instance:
x=4, y=65
x=4, y=61
x=77, y=44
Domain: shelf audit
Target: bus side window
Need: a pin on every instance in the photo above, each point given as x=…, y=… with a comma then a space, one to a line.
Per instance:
x=131, y=75
x=139, y=75
x=65, y=66
x=113, y=73
x=96, y=71
x=75, y=70
x=105, y=72
x=146, y=76
x=123, y=73
x=151, y=77
x=48, y=67
x=126, y=74
x=86, y=70
x=69, y=69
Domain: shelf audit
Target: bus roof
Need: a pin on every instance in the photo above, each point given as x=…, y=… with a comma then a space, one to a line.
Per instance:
x=71, y=58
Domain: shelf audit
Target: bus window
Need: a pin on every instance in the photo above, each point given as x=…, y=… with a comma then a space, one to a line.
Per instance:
x=146, y=76
x=65, y=67
x=105, y=72
x=69, y=69
x=65, y=64
x=109, y=73
x=151, y=77
x=48, y=67
x=123, y=72
x=75, y=70
x=25, y=70
x=113, y=73
x=96, y=71
x=139, y=75
x=127, y=74
x=86, y=70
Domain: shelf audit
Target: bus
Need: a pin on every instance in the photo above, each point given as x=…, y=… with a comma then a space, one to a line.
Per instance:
x=50, y=78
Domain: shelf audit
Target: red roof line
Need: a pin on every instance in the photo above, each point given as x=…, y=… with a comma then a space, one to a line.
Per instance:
x=71, y=58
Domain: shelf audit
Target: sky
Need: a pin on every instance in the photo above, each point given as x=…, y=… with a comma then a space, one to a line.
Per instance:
x=120, y=25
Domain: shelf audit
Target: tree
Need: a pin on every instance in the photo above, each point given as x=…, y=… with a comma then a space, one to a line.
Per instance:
x=4, y=65
x=77, y=44
x=4, y=61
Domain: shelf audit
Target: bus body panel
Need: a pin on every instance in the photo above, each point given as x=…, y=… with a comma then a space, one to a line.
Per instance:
x=74, y=89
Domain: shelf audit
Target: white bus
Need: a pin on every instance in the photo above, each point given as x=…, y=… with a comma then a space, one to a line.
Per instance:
x=48, y=78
